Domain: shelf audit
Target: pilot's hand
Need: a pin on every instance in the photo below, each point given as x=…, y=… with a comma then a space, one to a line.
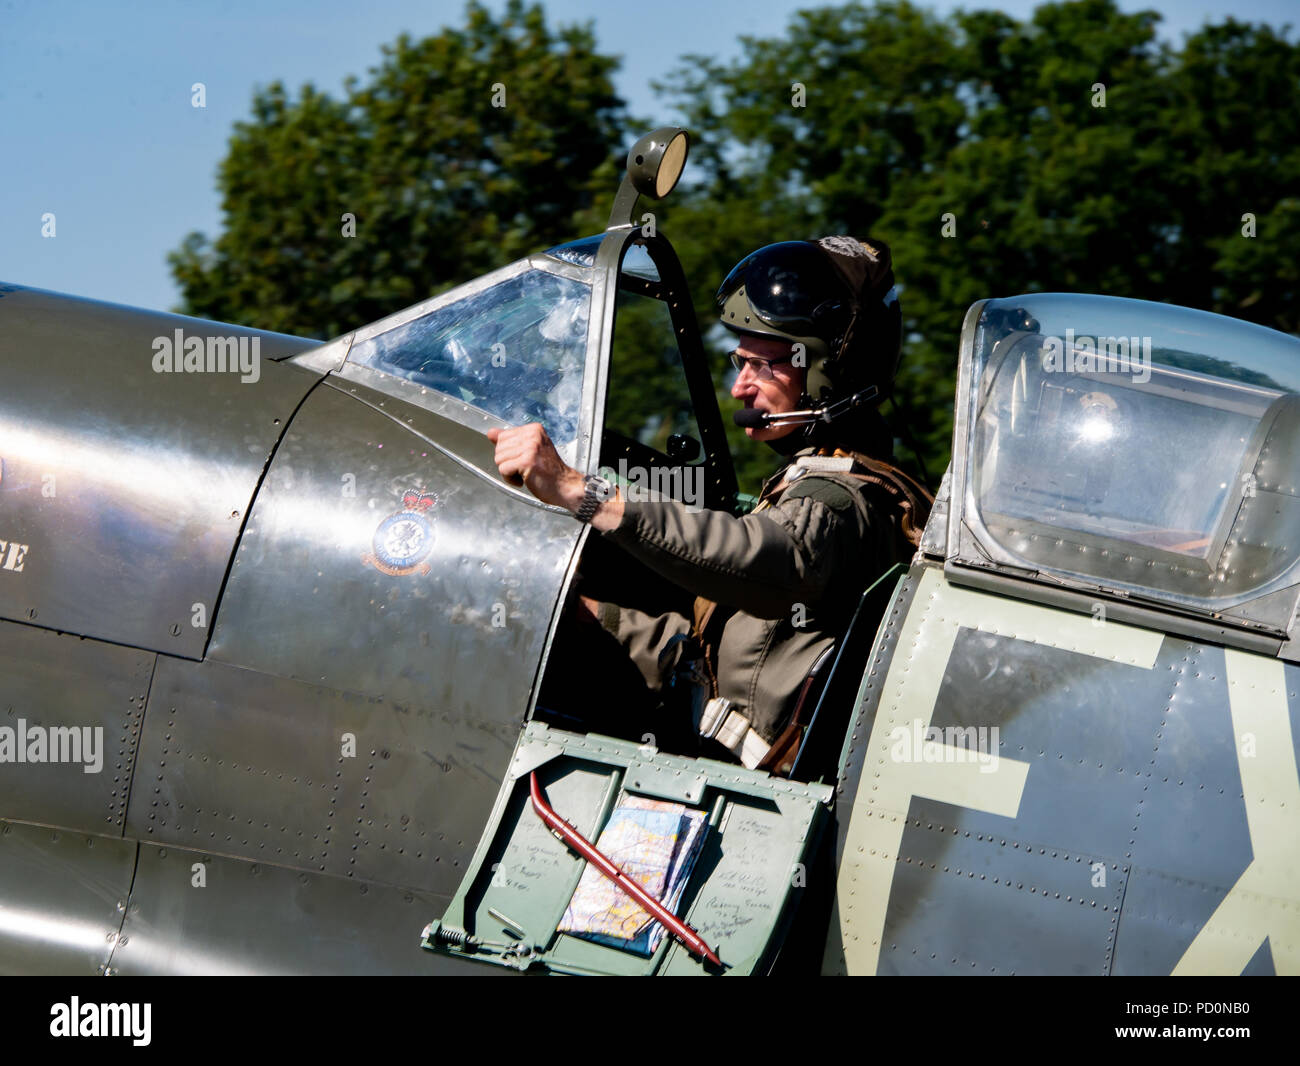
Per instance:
x=526, y=455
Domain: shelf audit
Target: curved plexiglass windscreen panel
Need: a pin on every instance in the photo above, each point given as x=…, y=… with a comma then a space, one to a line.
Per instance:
x=1137, y=446
x=636, y=260
x=515, y=350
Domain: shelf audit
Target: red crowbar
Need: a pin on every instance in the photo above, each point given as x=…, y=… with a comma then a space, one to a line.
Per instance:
x=584, y=847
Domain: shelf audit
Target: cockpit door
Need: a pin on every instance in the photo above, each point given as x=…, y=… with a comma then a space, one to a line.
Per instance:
x=524, y=897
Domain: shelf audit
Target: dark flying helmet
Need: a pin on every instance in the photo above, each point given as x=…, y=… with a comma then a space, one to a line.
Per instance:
x=835, y=296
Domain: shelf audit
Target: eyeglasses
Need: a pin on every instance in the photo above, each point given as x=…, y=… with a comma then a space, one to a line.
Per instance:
x=760, y=368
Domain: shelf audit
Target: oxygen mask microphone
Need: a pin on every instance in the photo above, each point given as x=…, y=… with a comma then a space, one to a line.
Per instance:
x=752, y=418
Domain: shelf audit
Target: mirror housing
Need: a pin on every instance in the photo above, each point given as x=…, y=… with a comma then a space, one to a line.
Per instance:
x=654, y=166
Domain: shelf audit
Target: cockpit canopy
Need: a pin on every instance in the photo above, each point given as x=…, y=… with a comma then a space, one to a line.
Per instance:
x=514, y=348
x=1132, y=446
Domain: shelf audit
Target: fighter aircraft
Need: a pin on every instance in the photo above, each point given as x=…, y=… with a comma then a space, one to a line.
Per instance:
x=279, y=648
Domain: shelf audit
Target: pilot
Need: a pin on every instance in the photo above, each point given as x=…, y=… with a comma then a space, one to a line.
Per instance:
x=818, y=328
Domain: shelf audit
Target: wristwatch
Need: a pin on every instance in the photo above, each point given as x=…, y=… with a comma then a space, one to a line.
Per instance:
x=599, y=490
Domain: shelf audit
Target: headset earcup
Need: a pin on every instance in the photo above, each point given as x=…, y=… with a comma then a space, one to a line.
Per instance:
x=819, y=384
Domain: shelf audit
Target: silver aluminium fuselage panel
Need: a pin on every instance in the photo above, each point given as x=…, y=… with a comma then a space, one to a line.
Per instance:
x=329, y=760
x=123, y=490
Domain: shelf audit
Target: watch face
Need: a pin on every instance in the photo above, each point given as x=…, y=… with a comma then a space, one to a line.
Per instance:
x=600, y=488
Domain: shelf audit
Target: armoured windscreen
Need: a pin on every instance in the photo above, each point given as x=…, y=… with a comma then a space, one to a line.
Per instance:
x=515, y=350
x=1135, y=445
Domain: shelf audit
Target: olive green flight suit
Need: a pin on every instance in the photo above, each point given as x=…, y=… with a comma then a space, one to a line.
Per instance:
x=788, y=577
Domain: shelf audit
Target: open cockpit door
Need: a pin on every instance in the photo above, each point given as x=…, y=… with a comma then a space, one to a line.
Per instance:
x=519, y=891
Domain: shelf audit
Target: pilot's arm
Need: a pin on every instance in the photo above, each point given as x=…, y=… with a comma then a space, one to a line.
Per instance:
x=762, y=563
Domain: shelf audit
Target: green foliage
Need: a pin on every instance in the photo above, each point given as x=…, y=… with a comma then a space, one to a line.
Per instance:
x=909, y=120
x=443, y=184
x=648, y=397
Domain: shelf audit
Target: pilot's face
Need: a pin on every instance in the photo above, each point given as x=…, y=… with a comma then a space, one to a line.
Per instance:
x=773, y=385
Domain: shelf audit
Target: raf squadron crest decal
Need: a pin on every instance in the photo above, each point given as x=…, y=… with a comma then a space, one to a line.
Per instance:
x=404, y=539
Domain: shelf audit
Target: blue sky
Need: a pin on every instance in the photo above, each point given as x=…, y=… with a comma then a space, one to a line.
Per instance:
x=96, y=123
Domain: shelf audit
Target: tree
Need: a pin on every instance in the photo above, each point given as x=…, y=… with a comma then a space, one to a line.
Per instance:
x=461, y=152
x=1072, y=151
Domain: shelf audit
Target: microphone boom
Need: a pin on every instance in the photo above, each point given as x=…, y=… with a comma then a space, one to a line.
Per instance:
x=752, y=418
